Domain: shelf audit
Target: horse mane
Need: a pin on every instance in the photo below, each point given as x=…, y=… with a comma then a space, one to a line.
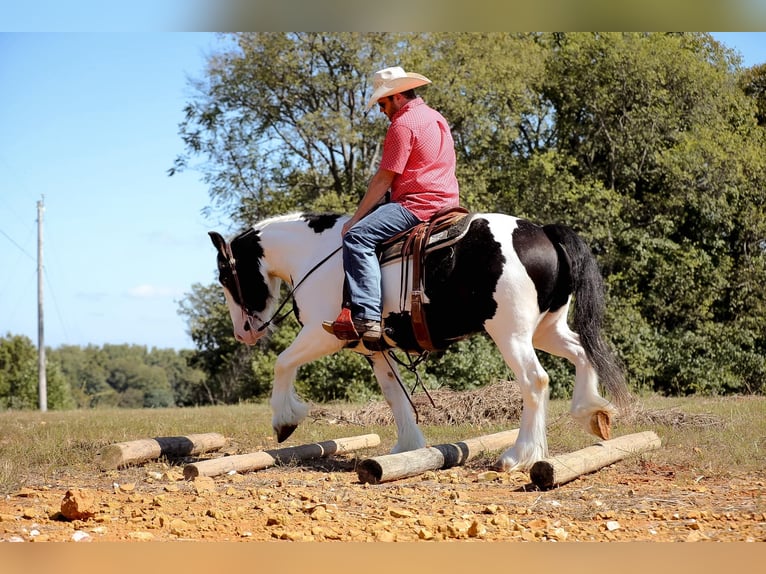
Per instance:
x=294, y=216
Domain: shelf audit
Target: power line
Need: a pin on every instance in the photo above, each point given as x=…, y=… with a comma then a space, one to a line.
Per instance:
x=19, y=247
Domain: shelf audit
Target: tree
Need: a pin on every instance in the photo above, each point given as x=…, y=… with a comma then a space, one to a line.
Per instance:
x=19, y=377
x=657, y=127
x=648, y=144
x=282, y=136
x=227, y=363
x=127, y=376
x=753, y=84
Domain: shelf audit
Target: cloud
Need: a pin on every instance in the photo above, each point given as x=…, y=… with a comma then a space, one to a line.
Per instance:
x=147, y=291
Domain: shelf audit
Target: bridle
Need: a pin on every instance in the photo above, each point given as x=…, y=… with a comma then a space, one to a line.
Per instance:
x=276, y=319
x=248, y=316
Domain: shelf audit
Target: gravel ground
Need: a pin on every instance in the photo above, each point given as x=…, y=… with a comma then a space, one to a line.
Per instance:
x=633, y=500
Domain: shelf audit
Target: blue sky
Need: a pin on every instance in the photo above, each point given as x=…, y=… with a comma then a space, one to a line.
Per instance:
x=90, y=122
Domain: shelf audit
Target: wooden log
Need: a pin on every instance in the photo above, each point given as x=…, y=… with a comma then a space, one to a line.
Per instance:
x=135, y=451
x=561, y=469
x=401, y=465
x=263, y=459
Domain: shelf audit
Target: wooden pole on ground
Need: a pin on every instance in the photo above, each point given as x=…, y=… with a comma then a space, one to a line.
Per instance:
x=135, y=451
x=404, y=464
x=264, y=459
x=561, y=469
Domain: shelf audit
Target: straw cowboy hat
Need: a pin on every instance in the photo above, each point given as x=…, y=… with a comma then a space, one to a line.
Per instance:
x=395, y=80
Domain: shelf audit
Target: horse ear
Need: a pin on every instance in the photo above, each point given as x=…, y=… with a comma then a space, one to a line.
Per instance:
x=218, y=241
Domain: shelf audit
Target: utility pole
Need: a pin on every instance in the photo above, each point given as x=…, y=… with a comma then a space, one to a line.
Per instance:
x=42, y=383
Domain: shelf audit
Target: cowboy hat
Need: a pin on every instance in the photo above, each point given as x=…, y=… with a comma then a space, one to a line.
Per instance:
x=395, y=80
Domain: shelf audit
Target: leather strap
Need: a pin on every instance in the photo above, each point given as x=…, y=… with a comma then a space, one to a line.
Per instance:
x=419, y=241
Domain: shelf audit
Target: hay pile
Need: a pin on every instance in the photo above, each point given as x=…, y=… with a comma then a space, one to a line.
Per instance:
x=496, y=402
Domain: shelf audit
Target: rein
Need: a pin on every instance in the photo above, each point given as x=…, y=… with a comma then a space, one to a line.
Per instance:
x=248, y=316
x=277, y=320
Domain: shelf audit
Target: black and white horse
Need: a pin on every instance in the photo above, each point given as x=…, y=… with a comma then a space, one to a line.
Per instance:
x=506, y=276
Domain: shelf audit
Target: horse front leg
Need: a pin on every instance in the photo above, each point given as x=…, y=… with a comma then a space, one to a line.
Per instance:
x=288, y=410
x=408, y=434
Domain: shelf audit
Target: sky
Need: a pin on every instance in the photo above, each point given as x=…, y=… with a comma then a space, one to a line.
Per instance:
x=89, y=125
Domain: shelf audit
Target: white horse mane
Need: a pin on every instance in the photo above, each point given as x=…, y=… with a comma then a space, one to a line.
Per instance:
x=294, y=216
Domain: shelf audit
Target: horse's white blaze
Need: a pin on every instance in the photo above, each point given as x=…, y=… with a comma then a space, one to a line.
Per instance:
x=238, y=321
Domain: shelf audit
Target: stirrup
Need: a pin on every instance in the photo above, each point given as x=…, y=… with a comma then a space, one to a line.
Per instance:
x=343, y=327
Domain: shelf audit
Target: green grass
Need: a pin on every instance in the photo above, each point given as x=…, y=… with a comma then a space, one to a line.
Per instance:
x=36, y=448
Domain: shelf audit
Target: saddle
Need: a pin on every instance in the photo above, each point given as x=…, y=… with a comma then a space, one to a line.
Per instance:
x=443, y=229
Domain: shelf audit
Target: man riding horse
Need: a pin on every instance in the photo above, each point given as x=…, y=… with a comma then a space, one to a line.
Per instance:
x=418, y=166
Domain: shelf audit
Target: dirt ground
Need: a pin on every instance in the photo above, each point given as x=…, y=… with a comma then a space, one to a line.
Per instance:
x=323, y=500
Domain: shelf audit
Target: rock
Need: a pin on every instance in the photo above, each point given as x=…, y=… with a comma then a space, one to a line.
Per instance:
x=78, y=504
x=276, y=520
x=318, y=513
x=172, y=476
x=142, y=536
x=477, y=529
x=385, y=536
x=558, y=534
x=216, y=513
x=537, y=524
x=425, y=534
x=400, y=513
x=695, y=536
x=204, y=484
x=80, y=536
x=178, y=527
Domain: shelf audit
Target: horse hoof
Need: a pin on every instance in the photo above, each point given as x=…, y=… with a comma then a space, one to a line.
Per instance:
x=283, y=433
x=601, y=425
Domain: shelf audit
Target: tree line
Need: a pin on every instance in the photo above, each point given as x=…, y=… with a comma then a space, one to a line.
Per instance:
x=124, y=376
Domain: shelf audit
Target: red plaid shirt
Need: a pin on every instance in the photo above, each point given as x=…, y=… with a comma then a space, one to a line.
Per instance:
x=420, y=150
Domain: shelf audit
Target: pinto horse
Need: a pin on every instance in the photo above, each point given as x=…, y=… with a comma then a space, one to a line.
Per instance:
x=506, y=276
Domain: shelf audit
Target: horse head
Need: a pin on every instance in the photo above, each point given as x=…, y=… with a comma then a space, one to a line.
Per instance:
x=249, y=290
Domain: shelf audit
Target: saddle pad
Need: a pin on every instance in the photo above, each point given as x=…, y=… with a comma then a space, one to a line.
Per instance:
x=439, y=239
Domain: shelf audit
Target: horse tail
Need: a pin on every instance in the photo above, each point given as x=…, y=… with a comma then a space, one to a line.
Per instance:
x=589, y=294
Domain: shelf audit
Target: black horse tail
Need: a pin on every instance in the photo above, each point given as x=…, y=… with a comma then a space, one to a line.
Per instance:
x=589, y=307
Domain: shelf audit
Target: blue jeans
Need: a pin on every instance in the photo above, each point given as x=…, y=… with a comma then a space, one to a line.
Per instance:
x=360, y=261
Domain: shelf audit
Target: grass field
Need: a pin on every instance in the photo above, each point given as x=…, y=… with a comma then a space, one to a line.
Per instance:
x=699, y=435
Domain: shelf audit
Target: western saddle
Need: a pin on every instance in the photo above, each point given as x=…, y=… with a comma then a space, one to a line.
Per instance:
x=440, y=231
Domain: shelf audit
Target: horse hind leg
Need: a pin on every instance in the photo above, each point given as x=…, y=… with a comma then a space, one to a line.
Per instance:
x=531, y=444
x=589, y=408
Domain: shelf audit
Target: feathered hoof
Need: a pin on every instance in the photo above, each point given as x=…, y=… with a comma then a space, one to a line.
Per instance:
x=601, y=424
x=284, y=432
x=505, y=464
